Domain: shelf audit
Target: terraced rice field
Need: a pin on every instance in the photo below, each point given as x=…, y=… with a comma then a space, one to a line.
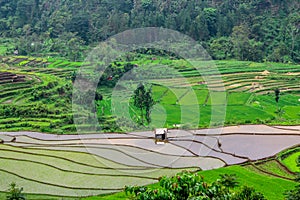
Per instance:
x=254, y=77
x=249, y=91
x=290, y=158
x=32, y=92
x=41, y=96
x=253, y=177
x=36, y=95
x=84, y=165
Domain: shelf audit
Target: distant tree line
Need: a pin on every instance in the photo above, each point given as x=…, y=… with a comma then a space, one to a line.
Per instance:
x=254, y=30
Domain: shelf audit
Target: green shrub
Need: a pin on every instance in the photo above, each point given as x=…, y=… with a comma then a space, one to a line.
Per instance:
x=293, y=194
x=187, y=185
x=15, y=193
x=248, y=193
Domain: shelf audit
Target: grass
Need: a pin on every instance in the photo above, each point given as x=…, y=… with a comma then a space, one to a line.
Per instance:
x=3, y=50
x=291, y=162
x=262, y=108
x=19, y=96
x=246, y=114
x=194, y=97
x=291, y=112
x=276, y=168
x=246, y=176
x=120, y=195
x=238, y=98
x=169, y=98
x=191, y=94
x=249, y=177
x=158, y=92
x=217, y=98
x=41, y=197
x=175, y=105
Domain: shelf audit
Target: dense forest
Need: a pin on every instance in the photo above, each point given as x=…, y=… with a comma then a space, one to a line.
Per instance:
x=254, y=30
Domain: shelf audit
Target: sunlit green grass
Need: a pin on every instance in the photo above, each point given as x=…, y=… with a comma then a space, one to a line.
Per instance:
x=238, y=98
x=291, y=162
x=249, y=177
x=275, y=168
x=245, y=176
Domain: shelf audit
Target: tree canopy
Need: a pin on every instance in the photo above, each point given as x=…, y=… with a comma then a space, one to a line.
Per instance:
x=247, y=30
x=144, y=102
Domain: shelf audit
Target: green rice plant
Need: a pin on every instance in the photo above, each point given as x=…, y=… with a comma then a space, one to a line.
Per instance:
x=158, y=91
x=249, y=113
x=251, y=177
x=217, y=98
x=291, y=162
x=274, y=167
x=235, y=98
x=169, y=98
x=189, y=98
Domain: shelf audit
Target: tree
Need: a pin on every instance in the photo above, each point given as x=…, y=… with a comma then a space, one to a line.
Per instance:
x=15, y=193
x=94, y=20
x=277, y=95
x=149, y=102
x=144, y=102
x=199, y=28
x=293, y=28
x=220, y=48
x=279, y=111
x=240, y=40
x=210, y=15
x=255, y=52
x=280, y=52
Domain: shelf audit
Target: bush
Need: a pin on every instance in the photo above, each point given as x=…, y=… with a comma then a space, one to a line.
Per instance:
x=293, y=194
x=15, y=193
x=248, y=193
x=248, y=121
x=185, y=185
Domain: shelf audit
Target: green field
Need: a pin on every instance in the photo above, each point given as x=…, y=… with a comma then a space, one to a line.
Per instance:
x=276, y=168
x=246, y=176
x=150, y=99
x=68, y=173
x=46, y=90
x=290, y=158
x=42, y=101
x=249, y=177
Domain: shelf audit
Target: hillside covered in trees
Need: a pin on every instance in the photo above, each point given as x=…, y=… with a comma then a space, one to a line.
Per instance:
x=254, y=30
